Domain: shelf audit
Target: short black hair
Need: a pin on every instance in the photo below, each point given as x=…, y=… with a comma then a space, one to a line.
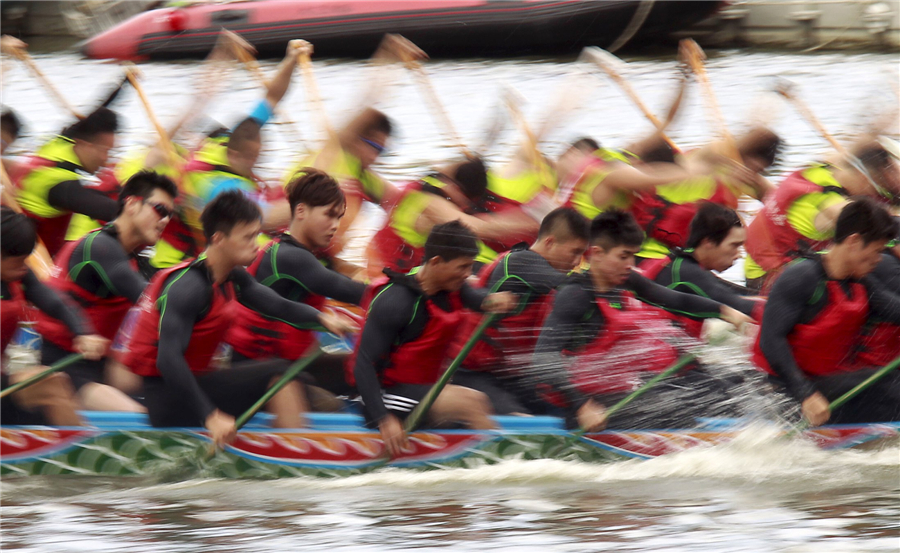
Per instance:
x=143, y=183
x=376, y=121
x=18, y=234
x=10, y=123
x=451, y=241
x=614, y=228
x=764, y=144
x=314, y=188
x=866, y=217
x=226, y=211
x=565, y=223
x=101, y=120
x=247, y=132
x=585, y=144
x=712, y=222
x=658, y=152
x=471, y=176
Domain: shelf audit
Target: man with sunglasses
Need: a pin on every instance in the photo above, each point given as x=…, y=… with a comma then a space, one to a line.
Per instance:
x=99, y=272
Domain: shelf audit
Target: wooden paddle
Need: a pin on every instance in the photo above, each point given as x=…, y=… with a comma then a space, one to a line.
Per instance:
x=176, y=161
x=39, y=261
x=418, y=414
x=312, y=89
x=612, y=66
x=286, y=378
x=58, y=366
x=852, y=393
x=24, y=57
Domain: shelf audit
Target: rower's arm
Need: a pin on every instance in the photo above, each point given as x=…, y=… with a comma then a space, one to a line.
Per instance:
x=883, y=303
x=185, y=301
x=267, y=302
x=388, y=314
x=473, y=298
x=784, y=310
x=692, y=276
x=630, y=179
x=440, y=211
x=280, y=83
x=114, y=267
x=50, y=302
x=676, y=302
x=73, y=196
x=303, y=266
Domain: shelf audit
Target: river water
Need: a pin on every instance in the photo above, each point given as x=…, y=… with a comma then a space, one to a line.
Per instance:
x=759, y=494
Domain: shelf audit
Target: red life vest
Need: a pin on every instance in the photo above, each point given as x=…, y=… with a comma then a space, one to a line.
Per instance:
x=824, y=345
x=515, y=334
x=498, y=205
x=670, y=222
x=651, y=269
x=418, y=361
x=771, y=240
x=12, y=310
x=629, y=346
x=105, y=313
x=208, y=332
x=256, y=336
x=879, y=346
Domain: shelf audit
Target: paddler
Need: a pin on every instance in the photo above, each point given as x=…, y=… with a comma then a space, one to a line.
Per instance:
x=409, y=327
x=601, y=340
x=799, y=217
x=498, y=364
x=879, y=343
x=714, y=244
x=815, y=314
x=99, y=272
x=296, y=266
x=187, y=311
x=450, y=194
x=225, y=162
x=51, y=400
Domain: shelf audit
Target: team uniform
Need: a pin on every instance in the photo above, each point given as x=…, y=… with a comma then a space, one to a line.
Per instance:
x=809, y=332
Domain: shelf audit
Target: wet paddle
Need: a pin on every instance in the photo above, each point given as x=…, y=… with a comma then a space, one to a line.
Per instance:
x=58, y=366
x=24, y=57
x=855, y=391
x=418, y=414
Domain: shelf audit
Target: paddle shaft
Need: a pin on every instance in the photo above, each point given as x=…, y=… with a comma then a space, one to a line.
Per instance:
x=58, y=366
x=437, y=107
x=418, y=414
x=164, y=140
x=674, y=368
x=29, y=61
x=694, y=57
x=39, y=261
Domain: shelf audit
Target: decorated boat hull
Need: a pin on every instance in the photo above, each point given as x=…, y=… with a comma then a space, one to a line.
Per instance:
x=340, y=450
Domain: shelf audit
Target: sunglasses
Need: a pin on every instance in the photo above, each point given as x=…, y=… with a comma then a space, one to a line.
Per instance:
x=163, y=211
x=379, y=148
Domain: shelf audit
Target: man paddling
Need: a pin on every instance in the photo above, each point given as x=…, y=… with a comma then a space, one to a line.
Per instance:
x=99, y=272
x=51, y=400
x=611, y=341
x=714, y=244
x=879, y=343
x=499, y=363
x=799, y=217
x=409, y=326
x=187, y=311
x=814, y=316
x=297, y=267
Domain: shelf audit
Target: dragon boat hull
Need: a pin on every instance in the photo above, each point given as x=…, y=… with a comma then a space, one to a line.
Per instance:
x=337, y=446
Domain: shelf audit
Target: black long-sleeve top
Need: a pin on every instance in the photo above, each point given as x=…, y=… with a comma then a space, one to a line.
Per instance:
x=102, y=267
x=397, y=316
x=797, y=297
x=189, y=299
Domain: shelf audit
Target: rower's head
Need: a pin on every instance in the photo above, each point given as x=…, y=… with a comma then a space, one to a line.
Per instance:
x=94, y=137
x=471, y=178
x=147, y=204
x=368, y=136
x=231, y=224
x=716, y=236
x=615, y=240
x=574, y=157
x=244, y=146
x=10, y=126
x=450, y=252
x=881, y=166
x=17, y=238
x=563, y=238
x=317, y=206
x=759, y=148
x=862, y=232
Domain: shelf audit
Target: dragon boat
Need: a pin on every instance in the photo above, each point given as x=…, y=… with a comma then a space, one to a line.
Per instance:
x=334, y=445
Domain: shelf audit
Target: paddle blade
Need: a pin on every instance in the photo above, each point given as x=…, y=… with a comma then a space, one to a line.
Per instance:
x=785, y=88
x=692, y=54
x=603, y=59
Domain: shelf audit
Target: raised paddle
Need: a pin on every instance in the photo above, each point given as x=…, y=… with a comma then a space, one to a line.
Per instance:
x=853, y=392
x=612, y=66
x=25, y=58
x=39, y=261
x=59, y=365
x=287, y=377
x=165, y=142
x=418, y=414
